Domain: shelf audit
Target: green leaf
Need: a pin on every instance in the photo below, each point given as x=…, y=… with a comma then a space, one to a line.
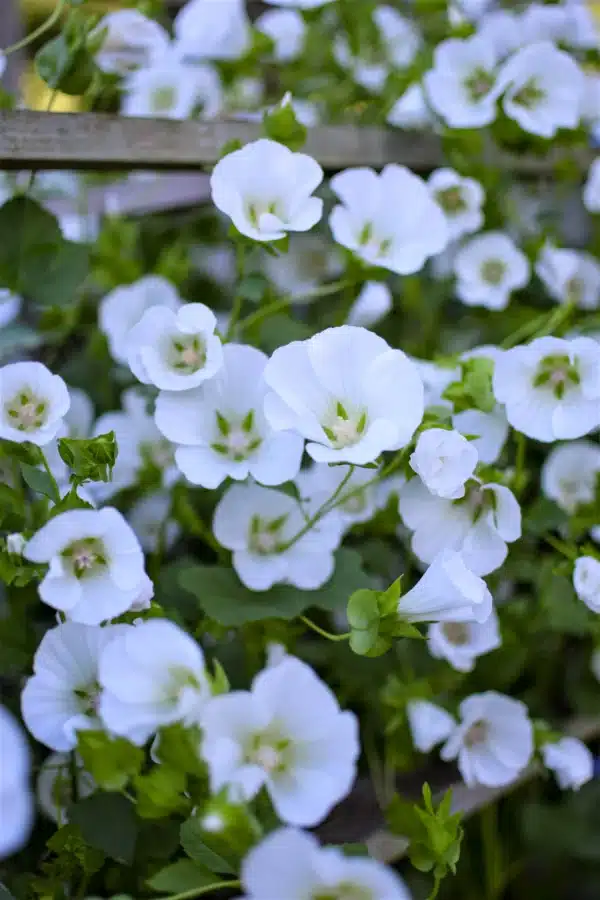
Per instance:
x=222, y=596
x=363, y=609
x=35, y=260
x=108, y=823
x=160, y=792
x=193, y=841
x=111, y=761
x=281, y=124
x=181, y=876
x=40, y=482
x=64, y=67
x=90, y=459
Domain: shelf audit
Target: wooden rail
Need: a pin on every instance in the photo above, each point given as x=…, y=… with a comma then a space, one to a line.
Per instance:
x=100, y=142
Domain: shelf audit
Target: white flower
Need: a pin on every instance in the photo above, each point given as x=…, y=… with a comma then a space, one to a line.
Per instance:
x=10, y=307
x=300, y=4
x=320, y=481
x=372, y=304
x=491, y=428
x=290, y=864
x=461, y=86
x=255, y=523
x=400, y=42
x=15, y=797
x=493, y=742
x=460, y=643
x=311, y=259
x=387, y=220
x=33, y=403
x=502, y=29
x=96, y=564
x=571, y=762
x=133, y=41
x=586, y=581
x=444, y=460
x=478, y=526
x=411, y=109
x=347, y=392
x=149, y=518
x=569, y=474
x=570, y=276
x=461, y=200
x=543, y=89
x=54, y=786
x=175, y=351
x=447, y=592
x=61, y=697
x=591, y=191
x=15, y=543
x=488, y=268
x=151, y=675
x=287, y=734
x=550, y=387
x=287, y=30
x=266, y=190
x=140, y=445
x=208, y=30
x=124, y=307
x=170, y=89
x=220, y=428
x=429, y=724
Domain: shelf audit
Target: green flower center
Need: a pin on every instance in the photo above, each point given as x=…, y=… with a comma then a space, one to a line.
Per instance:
x=163, y=99
x=187, y=354
x=478, y=83
x=266, y=535
x=451, y=200
x=492, y=271
x=558, y=374
x=530, y=95
x=85, y=557
x=344, y=427
x=26, y=411
x=376, y=244
x=238, y=438
x=268, y=750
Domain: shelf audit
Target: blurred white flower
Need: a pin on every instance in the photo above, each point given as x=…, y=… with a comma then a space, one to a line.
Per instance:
x=461, y=643
x=33, y=403
x=372, y=305
x=311, y=259
x=460, y=198
x=447, y=592
x=586, y=581
x=570, y=276
x=132, y=41
x=461, y=86
x=571, y=762
x=170, y=89
x=411, y=109
x=591, y=191
x=287, y=30
x=569, y=474
x=319, y=482
x=149, y=518
x=501, y=28
x=208, y=30
x=123, y=308
x=10, y=307
x=488, y=268
x=429, y=724
x=16, y=800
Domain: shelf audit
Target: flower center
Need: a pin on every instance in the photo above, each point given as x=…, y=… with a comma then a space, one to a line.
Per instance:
x=268, y=752
x=180, y=678
x=26, y=411
x=89, y=698
x=477, y=733
x=478, y=83
x=456, y=633
x=558, y=374
x=187, y=354
x=530, y=95
x=86, y=557
x=163, y=99
x=237, y=439
x=451, y=200
x=492, y=271
x=345, y=427
x=258, y=208
x=356, y=503
x=266, y=535
x=574, y=290
x=374, y=244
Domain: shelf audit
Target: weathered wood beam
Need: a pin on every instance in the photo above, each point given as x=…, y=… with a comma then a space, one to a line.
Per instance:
x=100, y=142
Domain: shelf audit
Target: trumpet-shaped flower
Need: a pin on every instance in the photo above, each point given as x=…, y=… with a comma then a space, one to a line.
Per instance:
x=96, y=564
x=571, y=762
x=220, y=428
x=493, y=742
x=461, y=643
x=290, y=864
x=266, y=190
x=287, y=734
x=569, y=474
x=444, y=460
x=151, y=675
x=33, y=403
x=61, y=697
x=347, y=392
x=447, y=592
x=461, y=87
x=258, y=525
x=488, y=269
x=124, y=307
x=175, y=351
x=387, y=220
x=460, y=198
x=550, y=387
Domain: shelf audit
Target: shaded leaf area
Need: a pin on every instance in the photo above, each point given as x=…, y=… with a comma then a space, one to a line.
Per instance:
x=108, y=823
x=225, y=599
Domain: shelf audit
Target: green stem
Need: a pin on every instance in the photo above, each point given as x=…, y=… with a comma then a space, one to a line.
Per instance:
x=206, y=889
x=240, y=256
x=323, y=633
x=271, y=309
x=539, y=327
x=322, y=511
x=43, y=28
x=519, y=481
x=492, y=851
x=436, y=887
x=562, y=547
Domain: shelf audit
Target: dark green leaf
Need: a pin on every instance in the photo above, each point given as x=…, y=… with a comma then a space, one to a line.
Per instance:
x=40, y=482
x=193, y=842
x=108, y=823
x=182, y=876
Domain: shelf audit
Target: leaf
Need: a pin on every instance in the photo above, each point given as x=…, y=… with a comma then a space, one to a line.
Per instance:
x=108, y=823
x=192, y=841
x=110, y=761
x=40, y=482
x=222, y=596
x=182, y=876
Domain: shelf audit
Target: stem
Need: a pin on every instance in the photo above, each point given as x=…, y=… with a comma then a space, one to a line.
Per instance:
x=519, y=481
x=326, y=507
x=562, y=547
x=206, y=889
x=240, y=257
x=277, y=306
x=492, y=851
x=436, y=887
x=323, y=633
x=539, y=327
x=43, y=28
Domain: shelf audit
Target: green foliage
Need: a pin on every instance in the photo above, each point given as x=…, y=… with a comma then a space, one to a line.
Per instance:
x=281, y=125
x=180, y=877
x=474, y=390
x=112, y=761
x=374, y=620
x=90, y=459
x=107, y=822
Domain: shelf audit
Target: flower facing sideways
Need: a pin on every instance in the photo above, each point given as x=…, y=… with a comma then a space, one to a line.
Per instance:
x=388, y=220
x=220, y=428
x=33, y=403
x=266, y=190
x=132, y=41
x=16, y=800
x=586, y=581
x=175, y=351
x=493, y=742
x=570, y=276
x=259, y=525
x=571, y=762
x=347, y=392
x=429, y=724
x=151, y=675
x=123, y=308
x=447, y=592
x=569, y=474
x=96, y=565
x=62, y=696
x=290, y=864
x=445, y=461
x=287, y=734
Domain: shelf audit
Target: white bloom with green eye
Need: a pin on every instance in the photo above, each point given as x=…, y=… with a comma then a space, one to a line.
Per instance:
x=488, y=268
x=461, y=86
x=460, y=198
x=170, y=89
x=33, y=403
x=132, y=41
x=123, y=308
x=570, y=276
